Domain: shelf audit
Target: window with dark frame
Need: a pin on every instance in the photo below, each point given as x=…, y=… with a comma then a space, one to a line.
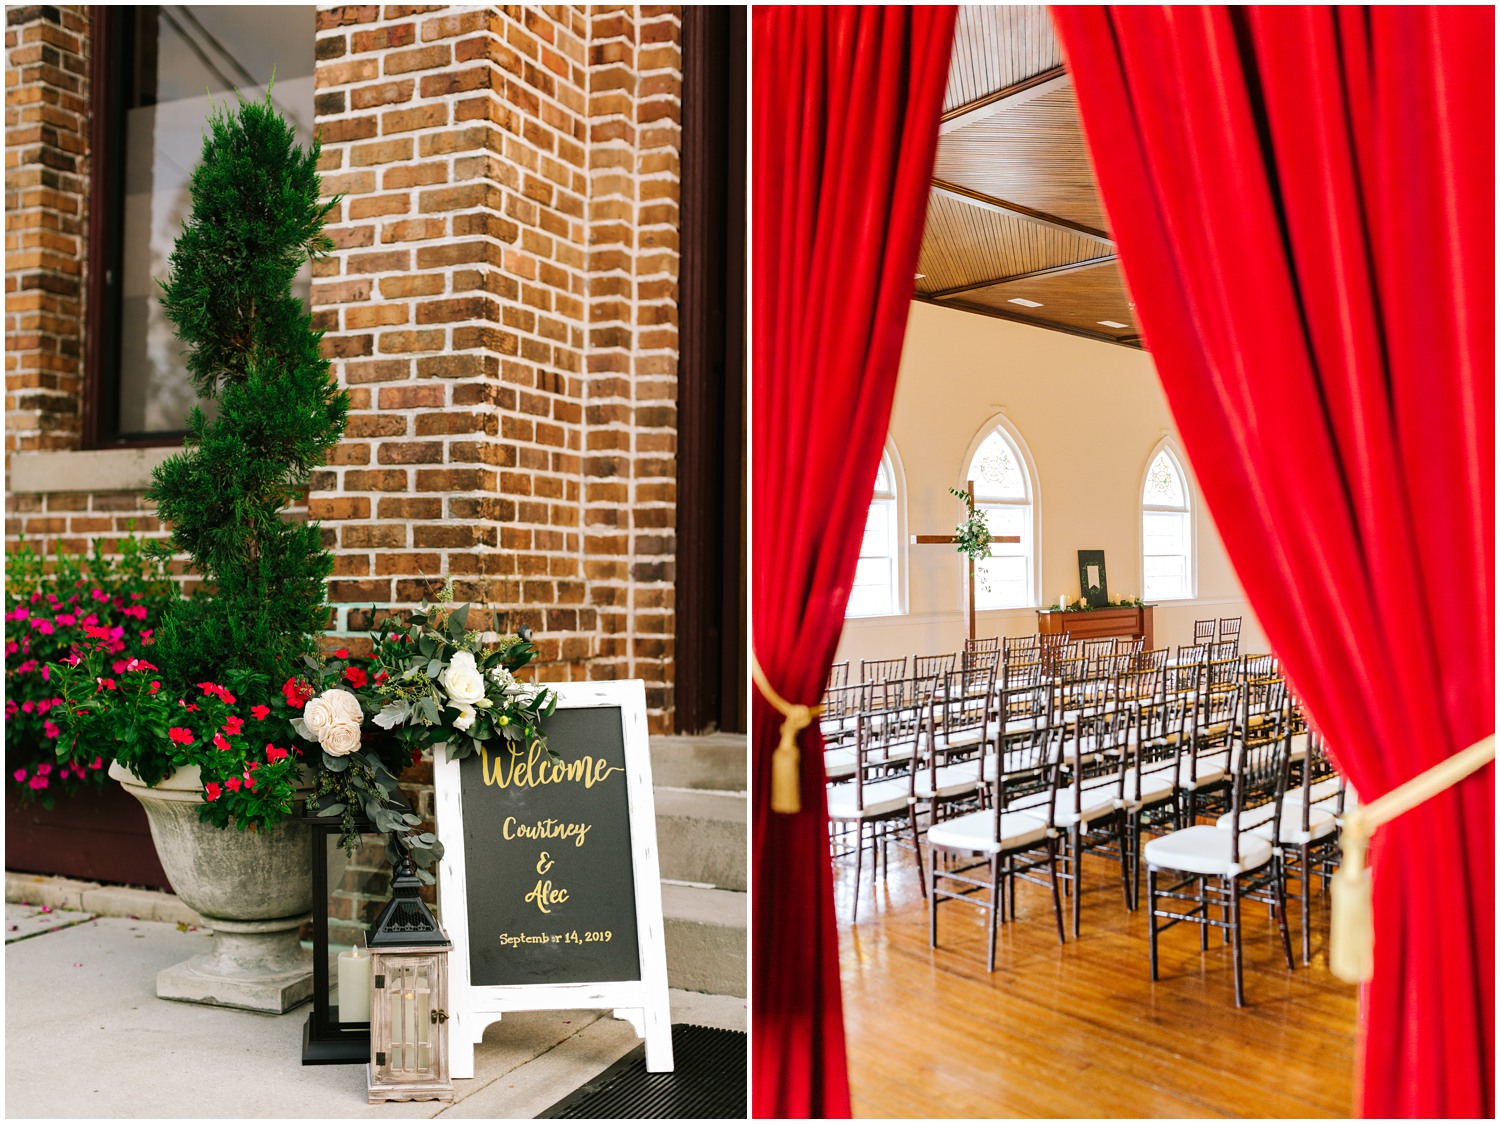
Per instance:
x=157, y=73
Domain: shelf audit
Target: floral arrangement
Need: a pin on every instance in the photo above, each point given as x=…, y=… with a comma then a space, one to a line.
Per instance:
x=972, y=536
x=429, y=680
x=1081, y=605
x=113, y=597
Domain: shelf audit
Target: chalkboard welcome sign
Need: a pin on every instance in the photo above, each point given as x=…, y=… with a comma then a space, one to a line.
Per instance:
x=549, y=883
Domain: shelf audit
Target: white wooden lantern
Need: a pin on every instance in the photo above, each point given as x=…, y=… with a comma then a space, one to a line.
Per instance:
x=408, y=999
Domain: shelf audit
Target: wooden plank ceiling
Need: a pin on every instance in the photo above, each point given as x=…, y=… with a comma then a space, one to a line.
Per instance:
x=1014, y=212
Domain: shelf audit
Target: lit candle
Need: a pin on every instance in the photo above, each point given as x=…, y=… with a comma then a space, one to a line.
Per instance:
x=354, y=987
x=1062, y=602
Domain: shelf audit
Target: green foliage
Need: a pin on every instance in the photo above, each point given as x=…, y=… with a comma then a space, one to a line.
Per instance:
x=972, y=536
x=256, y=217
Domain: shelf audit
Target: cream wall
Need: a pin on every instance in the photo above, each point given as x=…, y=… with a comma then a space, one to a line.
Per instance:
x=1091, y=416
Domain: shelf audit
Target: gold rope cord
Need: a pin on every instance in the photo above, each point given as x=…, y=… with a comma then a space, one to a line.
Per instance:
x=786, y=792
x=1351, y=938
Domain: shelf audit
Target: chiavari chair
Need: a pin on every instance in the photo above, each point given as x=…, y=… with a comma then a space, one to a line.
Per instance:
x=1224, y=650
x=1026, y=649
x=838, y=675
x=1088, y=798
x=1311, y=816
x=1205, y=771
x=1229, y=629
x=1020, y=711
x=1028, y=673
x=992, y=848
x=879, y=674
x=982, y=644
x=1129, y=645
x=887, y=728
x=1151, y=787
x=837, y=722
x=1051, y=646
x=1092, y=650
x=1191, y=654
x=1203, y=632
x=1153, y=660
x=932, y=667
x=1223, y=864
x=1077, y=690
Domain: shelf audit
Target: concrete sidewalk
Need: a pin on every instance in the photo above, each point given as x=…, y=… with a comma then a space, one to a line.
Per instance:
x=85, y=1035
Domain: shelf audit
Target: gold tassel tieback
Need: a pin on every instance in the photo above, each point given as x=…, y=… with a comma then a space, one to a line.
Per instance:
x=786, y=789
x=1351, y=937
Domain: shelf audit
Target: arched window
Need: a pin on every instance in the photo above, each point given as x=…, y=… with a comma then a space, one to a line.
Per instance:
x=1166, y=531
x=1003, y=491
x=877, y=580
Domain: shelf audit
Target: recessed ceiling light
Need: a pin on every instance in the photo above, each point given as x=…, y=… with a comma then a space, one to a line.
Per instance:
x=1024, y=301
x=1111, y=324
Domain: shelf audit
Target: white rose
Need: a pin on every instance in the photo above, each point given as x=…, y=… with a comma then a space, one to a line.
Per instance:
x=466, y=716
x=461, y=679
x=332, y=707
x=340, y=739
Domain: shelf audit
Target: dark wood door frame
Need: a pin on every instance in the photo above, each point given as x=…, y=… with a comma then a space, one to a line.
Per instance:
x=711, y=498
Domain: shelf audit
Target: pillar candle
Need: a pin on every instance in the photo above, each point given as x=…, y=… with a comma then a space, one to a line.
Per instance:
x=354, y=987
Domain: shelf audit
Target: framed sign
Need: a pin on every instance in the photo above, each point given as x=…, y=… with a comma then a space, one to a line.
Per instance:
x=549, y=882
x=1092, y=583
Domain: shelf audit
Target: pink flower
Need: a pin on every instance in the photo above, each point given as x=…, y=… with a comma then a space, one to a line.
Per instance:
x=44, y=627
x=233, y=725
x=136, y=611
x=98, y=763
x=107, y=685
x=38, y=782
x=273, y=754
x=51, y=729
x=46, y=674
x=219, y=742
x=19, y=613
x=119, y=666
x=155, y=686
x=99, y=595
x=212, y=790
x=232, y=784
x=146, y=634
x=67, y=619
x=43, y=769
x=180, y=735
x=249, y=780
x=260, y=713
x=28, y=706
x=20, y=775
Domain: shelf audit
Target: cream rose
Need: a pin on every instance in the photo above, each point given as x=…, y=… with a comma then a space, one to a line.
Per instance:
x=466, y=716
x=333, y=707
x=340, y=739
x=461, y=679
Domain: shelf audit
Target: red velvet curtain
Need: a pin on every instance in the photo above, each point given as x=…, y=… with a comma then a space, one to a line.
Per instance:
x=846, y=111
x=1304, y=204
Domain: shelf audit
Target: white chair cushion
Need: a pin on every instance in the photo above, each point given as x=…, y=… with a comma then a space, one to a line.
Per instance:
x=1094, y=803
x=1257, y=821
x=1156, y=787
x=1212, y=768
x=880, y=798
x=974, y=833
x=951, y=781
x=838, y=763
x=1299, y=746
x=1322, y=790
x=1205, y=850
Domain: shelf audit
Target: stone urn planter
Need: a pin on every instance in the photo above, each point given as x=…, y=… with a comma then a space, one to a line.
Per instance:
x=252, y=888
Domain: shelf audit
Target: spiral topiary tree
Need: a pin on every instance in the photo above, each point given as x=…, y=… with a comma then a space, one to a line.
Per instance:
x=257, y=215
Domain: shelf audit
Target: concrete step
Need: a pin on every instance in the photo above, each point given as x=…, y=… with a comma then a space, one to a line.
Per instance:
x=710, y=761
x=701, y=837
x=706, y=939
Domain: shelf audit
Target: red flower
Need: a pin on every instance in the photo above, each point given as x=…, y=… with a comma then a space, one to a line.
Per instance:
x=232, y=784
x=180, y=735
x=212, y=790
x=249, y=780
x=219, y=742
x=382, y=676
x=296, y=694
x=260, y=713
x=273, y=754
x=107, y=685
x=155, y=686
x=341, y=654
x=233, y=724
x=356, y=676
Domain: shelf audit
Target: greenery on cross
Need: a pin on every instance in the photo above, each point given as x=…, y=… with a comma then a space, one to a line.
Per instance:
x=257, y=215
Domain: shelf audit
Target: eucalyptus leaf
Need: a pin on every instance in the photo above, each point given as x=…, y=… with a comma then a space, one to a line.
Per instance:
x=331, y=810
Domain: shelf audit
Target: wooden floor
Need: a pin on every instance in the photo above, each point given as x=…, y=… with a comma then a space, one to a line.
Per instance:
x=1080, y=1030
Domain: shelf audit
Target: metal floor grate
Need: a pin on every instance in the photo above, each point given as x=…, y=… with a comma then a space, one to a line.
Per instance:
x=709, y=1082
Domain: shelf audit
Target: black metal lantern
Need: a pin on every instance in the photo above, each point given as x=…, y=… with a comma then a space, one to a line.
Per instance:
x=409, y=999
x=337, y=1031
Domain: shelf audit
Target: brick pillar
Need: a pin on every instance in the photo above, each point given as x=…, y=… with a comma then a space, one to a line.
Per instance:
x=46, y=182
x=502, y=308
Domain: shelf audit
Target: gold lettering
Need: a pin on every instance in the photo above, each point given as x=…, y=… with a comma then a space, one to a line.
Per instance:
x=543, y=895
x=535, y=769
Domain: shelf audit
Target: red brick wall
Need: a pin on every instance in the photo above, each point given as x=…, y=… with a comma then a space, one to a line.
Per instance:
x=501, y=306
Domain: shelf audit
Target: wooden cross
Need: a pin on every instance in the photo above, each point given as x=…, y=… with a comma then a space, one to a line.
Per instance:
x=951, y=539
